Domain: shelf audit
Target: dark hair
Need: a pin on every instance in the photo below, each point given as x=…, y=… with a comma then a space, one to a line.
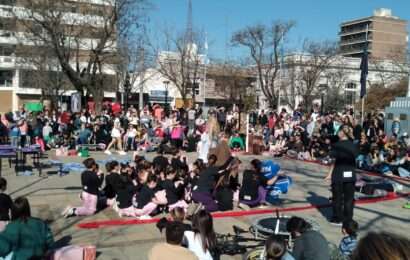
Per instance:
x=152, y=178
x=21, y=209
x=174, y=232
x=382, y=246
x=178, y=214
x=212, y=159
x=170, y=170
x=296, y=224
x=89, y=163
x=257, y=165
x=109, y=166
x=3, y=184
x=350, y=227
x=202, y=223
x=275, y=248
x=199, y=163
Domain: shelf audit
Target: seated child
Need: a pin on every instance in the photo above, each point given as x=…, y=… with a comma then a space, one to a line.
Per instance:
x=349, y=242
x=5, y=204
x=174, y=189
x=91, y=180
x=148, y=200
x=112, y=180
x=175, y=215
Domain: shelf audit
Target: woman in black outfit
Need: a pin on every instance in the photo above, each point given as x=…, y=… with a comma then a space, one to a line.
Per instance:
x=342, y=175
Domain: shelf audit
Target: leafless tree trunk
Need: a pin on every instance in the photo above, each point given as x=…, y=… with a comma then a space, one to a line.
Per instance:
x=82, y=40
x=263, y=43
x=182, y=63
x=311, y=67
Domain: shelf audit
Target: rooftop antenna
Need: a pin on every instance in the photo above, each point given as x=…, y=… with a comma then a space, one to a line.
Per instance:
x=189, y=29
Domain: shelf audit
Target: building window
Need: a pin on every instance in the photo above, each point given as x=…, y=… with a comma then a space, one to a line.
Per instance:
x=7, y=2
x=351, y=86
x=6, y=78
x=7, y=50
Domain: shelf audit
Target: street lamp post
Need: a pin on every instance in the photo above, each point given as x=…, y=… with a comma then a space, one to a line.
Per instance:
x=322, y=89
x=166, y=84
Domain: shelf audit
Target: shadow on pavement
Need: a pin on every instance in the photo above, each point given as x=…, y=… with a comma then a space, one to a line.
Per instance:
x=315, y=199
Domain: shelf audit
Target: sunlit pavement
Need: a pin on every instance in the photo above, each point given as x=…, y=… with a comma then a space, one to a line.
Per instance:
x=49, y=196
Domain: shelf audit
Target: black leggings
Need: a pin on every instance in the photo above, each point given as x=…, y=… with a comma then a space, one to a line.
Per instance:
x=343, y=200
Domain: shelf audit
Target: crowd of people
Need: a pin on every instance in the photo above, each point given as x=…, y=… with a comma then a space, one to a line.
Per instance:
x=170, y=184
x=304, y=136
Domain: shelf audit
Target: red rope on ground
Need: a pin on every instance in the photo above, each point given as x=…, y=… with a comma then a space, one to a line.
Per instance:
x=122, y=222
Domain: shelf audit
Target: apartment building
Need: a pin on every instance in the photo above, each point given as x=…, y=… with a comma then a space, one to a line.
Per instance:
x=18, y=46
x=384, y=35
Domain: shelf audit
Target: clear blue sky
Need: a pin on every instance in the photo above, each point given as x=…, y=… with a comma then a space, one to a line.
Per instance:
x=316, y=19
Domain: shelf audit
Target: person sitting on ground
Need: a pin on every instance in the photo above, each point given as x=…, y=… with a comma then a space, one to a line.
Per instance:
x=25, y=237
x=274, y=181
x=349, y=242
x=129, y=138
x=112, y=181
x=6, y=204
x=227, y=185
x=172, y=249
x=91, y=180
x=202, y=192
x=160, y=161
x=84, y=135
x=202, y=239
x=175, y=215
x=174, y=189
x=308, y=244
x=236, y=142
x=382, y=246
x=276, y=249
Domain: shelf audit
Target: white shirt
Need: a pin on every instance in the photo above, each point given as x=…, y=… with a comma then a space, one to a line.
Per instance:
x=116, y=133
x=195, y=245
x=132, y=133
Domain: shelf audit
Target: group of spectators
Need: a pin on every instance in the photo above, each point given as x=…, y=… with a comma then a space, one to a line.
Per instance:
x=310, y=137
x=145, y=188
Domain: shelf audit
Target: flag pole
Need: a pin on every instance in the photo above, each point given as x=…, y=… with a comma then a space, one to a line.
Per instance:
x=367, y=37
x=362, y=120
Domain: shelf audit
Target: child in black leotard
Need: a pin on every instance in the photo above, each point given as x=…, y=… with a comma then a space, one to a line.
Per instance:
x=5, y=204
x=91, y=180
x=112, y=181
x=174, y=189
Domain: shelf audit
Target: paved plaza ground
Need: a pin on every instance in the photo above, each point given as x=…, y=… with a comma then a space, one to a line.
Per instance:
x=49, y=196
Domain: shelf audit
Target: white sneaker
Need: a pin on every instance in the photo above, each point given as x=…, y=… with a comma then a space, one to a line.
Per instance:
x=69, y=211
x=145, y=217
x=65, y=211
x=243, y=206
x=107, y=152
x=122, y=153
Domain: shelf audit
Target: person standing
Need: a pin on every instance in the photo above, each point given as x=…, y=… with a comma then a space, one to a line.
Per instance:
x=342, y=175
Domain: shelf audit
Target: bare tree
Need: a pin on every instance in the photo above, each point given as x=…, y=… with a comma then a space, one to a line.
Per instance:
x=311, y=66
x=41, y=70
x=81, y=37
x=337, y=78
x=232, y=81
x=182, y=64
x=133, y=62
x=263, y=43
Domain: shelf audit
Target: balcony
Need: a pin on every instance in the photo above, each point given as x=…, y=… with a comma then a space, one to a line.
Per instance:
x=7, y=62
x=355, y=30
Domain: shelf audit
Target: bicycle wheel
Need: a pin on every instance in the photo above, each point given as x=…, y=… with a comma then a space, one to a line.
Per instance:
x=254, y=254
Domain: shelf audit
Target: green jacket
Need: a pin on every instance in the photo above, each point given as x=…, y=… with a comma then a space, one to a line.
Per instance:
x=26, y=239
x=236, y=139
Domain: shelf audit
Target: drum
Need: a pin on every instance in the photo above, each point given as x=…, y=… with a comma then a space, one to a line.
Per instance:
x=267, y=226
